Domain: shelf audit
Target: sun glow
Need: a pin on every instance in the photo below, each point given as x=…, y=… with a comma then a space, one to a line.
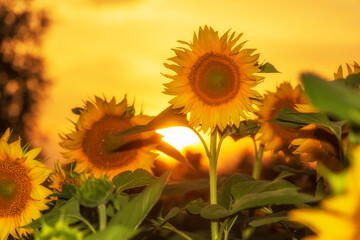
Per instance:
x=179, y=137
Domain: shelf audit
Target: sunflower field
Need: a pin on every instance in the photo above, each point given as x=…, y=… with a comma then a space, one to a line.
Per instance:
x=108, y=187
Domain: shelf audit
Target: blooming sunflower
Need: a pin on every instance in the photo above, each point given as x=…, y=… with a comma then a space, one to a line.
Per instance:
x=339, y=74
x=272, y=135
x=339, y=217
x=21, y=195
x=213, y=80
x=89, y=145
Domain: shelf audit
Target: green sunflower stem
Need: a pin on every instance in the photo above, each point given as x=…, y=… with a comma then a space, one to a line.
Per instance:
x=102, y=216
x=258, y=159
x=213, y=180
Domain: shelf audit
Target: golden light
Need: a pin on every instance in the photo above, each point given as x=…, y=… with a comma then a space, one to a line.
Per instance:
x=179, y=137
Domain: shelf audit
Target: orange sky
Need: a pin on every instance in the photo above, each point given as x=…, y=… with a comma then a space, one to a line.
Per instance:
x=115, y=47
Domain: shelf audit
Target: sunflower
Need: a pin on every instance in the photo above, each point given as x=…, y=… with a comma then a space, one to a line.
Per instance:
x=213, y=80
x=60, y=177
x=21, y=195
x=339, y=216
x=272, y=135
x=339, y=74
x=317, y=143
x=90, y=144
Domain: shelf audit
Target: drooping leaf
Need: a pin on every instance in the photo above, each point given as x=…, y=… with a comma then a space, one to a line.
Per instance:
x=173, y=152
x=168, y=118
x=135, y=211
x=129, y=179
x=115, y=232
x=70, y=211
x=246, y=128
x=273, y=218
x=333, y=97
x=268, y=68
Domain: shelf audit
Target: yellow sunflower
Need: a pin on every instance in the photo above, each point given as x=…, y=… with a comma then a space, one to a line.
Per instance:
x=274, y=136
x=339, y=217
x=316, y=143
x=21, y=195
x=339, y=74
x=89, y=145
x=213, y=80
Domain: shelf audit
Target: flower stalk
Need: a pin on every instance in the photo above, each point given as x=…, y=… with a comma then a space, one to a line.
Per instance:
x=102, y=216
x=213, y=180
x=258, y=159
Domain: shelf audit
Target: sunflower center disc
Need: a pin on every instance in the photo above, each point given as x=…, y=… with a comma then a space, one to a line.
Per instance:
x=215, y=79
x=96, y=145
x=15, y=188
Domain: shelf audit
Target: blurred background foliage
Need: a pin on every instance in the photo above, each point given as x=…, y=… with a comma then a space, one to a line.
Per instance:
x=22, y=81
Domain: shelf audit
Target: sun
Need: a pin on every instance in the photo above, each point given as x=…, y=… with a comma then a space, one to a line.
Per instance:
x=179, y=137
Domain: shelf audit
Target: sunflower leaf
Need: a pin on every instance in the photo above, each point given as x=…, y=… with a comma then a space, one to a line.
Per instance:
x=268, y=68
x=173, y=152
x=135, y=211
x=129, y=179
x=70, y=211
x=273, y=218
x=247, y=128
x=334, y=98
x=168, y=118
x=253, y=194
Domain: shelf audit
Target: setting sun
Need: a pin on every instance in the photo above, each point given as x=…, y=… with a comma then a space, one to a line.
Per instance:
x=179, y=137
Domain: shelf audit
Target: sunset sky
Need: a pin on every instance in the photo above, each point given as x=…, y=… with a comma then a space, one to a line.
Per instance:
x=113, y=47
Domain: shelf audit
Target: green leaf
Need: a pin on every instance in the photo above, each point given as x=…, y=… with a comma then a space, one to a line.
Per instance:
x=268, y=68
x=273, y=218
x=70, y=210
x=129, y=179
x=250, y=194
x=195, y=206
x=168, y=118
x=288, y=118
x=246, y=128
x=119, y=199
x=68, y=191
x=292, y=119
x=249, y=187
x=225, y=196
x=333, y=97
x=115, y=232
x=135, y=211
x=77, y=110
x=173, y=152
x=172, y=213
x=352, y=81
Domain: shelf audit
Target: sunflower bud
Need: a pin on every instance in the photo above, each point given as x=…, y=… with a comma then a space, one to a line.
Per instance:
x=94, y=192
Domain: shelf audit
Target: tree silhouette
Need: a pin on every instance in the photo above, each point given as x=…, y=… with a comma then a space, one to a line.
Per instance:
x=22, y=82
